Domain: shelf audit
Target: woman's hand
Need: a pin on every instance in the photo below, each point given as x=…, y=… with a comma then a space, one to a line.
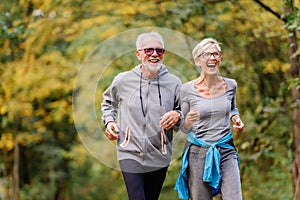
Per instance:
x=238, y=125
x=191, y=118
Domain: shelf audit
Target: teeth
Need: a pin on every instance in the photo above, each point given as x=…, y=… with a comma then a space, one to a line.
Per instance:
x=154, y=60
x=211, y=65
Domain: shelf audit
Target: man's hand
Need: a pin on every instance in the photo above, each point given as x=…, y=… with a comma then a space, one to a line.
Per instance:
x=112, y=131
x=169, y=119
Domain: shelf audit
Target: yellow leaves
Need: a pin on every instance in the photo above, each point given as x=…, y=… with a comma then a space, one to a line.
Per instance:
x=7, y=141
x=107, y=33
x=274, y=66
x=79, y=154
x=29, y=138
x=126, y=10
x=60, y=109
x=41, y=35
x=39, y=91
x=54, y=58
x=90, y=22
x=245, y=145
x=3, y=108
x=83, y=51
x=250, y=19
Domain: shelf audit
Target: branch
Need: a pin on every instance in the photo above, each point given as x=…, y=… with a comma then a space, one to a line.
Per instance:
x=270, y=10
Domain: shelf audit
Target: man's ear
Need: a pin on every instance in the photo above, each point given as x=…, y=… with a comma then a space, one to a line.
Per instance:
x=138, y=55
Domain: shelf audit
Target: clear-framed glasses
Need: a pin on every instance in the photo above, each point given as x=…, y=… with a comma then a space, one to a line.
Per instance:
x=207, y=55
x=150, y=51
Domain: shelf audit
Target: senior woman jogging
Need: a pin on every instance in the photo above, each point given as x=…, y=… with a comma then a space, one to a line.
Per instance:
x=210, y=162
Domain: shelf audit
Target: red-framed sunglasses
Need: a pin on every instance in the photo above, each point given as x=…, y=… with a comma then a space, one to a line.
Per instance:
x=150, y=51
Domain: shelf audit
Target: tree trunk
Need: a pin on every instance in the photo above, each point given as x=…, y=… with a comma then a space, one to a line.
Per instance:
x=296, y=146
x=294, y=61
x=15, y=175
x=294, y=70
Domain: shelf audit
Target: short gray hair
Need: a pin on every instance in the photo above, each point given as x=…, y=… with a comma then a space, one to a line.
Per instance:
x=203, y=45
x=142, y=36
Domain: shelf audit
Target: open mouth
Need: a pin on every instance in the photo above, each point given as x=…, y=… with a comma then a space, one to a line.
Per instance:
x=211, y=65
x=154, y=60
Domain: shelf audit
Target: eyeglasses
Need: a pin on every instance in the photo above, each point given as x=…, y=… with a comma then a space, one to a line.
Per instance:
x=150, y=51
x=207, y=55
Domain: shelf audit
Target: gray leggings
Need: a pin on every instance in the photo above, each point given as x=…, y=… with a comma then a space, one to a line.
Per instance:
x=230, y=175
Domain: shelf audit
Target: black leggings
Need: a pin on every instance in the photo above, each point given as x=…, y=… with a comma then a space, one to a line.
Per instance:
x=142, y=183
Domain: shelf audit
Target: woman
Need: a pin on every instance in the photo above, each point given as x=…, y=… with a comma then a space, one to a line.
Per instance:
x=210, y=161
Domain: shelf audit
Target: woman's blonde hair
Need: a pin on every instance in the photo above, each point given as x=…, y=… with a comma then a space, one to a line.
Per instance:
x=203, y=45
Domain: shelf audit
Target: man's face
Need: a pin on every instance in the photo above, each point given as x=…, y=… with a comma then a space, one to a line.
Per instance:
x=151, y=53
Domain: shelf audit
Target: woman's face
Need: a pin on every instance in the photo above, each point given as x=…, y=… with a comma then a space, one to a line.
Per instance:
x=209, y=60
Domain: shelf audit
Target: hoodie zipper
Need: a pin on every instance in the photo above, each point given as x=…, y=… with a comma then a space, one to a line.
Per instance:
x=163, y=137
x=141, y=96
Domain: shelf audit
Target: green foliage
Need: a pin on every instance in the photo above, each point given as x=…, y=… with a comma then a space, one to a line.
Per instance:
x=44, y=42
x=292, y=16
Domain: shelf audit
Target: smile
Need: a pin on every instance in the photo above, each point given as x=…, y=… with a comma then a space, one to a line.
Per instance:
x=154, y=60
x=211, y=65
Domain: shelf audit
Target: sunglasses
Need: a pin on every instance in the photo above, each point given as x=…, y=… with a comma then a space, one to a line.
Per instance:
x=150, y=51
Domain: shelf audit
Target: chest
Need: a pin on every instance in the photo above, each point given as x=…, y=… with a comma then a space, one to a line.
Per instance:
x=212, y=107
x=211, y=92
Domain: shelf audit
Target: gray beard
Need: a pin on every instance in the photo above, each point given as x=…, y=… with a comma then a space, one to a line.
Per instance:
x=152, y=68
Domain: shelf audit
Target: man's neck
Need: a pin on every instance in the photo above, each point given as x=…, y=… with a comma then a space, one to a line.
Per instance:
x=148, y=73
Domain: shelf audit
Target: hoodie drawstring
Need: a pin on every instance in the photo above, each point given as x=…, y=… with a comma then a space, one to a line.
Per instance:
x=162, y=133
x=141, y=98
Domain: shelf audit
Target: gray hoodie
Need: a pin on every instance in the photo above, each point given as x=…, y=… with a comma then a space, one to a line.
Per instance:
x=138, y=103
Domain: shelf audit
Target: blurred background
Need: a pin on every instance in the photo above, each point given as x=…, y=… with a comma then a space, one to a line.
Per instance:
x=43, y=44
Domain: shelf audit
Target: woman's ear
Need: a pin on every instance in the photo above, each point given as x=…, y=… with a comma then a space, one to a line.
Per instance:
x=197, y=62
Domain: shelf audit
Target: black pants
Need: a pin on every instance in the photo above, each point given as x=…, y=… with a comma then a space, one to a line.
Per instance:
x=142, y=183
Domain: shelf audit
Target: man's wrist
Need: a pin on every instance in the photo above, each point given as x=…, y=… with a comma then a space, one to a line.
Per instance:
x=180, y=115
x=107, y=123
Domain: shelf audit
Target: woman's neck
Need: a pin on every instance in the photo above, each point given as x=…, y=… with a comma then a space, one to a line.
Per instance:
x=210, y=86
x=209, y=80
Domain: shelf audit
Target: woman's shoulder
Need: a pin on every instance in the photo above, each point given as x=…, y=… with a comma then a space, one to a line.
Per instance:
x=187, y=88
x=230, y=82
x=187, y=85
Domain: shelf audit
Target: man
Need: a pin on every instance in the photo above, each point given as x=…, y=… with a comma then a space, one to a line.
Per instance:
x=145, y=102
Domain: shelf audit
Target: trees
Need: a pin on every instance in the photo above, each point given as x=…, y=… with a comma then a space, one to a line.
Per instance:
x=44, y=42
x=35, y=103
x=291, y=19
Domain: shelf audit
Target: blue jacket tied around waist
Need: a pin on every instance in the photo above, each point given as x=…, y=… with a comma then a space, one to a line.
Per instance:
x=212, y=164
